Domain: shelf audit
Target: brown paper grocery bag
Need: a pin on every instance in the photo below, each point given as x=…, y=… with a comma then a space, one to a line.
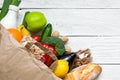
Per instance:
x=16, y=64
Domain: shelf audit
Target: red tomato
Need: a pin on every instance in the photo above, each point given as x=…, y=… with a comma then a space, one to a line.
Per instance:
x=36, y=37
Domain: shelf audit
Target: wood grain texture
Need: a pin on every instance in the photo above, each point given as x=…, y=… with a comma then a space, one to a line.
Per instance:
x=105, y=50
x=83, y=21
x=110, y=72
x=69, y=3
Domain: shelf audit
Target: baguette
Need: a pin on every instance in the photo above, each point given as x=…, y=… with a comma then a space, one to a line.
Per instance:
x=86, y=72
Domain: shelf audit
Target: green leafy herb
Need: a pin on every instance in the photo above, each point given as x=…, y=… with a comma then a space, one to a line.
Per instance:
x=5, y=7
x=57, y=43
x=16, y=2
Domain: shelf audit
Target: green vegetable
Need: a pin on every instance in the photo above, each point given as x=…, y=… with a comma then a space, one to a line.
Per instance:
x=24, y=22
x=6, y=5
x=57, y=43
x=47, y=31
x=16, y=2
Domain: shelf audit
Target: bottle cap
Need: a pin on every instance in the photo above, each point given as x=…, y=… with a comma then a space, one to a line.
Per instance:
x=14, y=8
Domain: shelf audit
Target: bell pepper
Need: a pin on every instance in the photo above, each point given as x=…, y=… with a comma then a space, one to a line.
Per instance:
x=46, y=59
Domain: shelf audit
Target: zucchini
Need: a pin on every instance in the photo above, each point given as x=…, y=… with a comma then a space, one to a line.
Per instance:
x=47, y=31
x=57, y=43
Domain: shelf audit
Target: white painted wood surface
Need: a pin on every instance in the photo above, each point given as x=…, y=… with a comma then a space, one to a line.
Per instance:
x=83, y=21
x=93, y=24
x=69, y=3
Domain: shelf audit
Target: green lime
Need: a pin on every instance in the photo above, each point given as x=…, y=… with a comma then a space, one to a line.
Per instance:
x=35, y=21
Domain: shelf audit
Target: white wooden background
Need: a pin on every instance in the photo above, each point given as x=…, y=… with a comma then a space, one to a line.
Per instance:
x=93, y=24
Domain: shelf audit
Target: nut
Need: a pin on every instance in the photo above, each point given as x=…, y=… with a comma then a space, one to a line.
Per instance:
x=64, y=39
x=55, y=34
x=67, y=48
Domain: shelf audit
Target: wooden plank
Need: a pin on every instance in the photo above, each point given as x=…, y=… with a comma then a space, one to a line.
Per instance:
x=105, y=50
x=1, y=3
x=83, y=21
x=110, y=72
x=69, y=3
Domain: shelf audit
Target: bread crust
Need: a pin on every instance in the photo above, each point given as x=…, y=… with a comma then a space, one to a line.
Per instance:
x=86, y=72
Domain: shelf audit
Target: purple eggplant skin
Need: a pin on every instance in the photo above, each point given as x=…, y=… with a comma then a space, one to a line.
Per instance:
x=68, y=57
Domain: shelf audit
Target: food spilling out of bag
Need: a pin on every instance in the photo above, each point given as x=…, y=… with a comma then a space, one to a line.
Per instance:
x=37, y=37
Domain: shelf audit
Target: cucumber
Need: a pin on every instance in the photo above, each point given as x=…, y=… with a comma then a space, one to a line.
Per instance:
x=57, y=43
x=47, y=31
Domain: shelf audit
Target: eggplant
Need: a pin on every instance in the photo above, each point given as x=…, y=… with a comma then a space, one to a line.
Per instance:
x=68, y=57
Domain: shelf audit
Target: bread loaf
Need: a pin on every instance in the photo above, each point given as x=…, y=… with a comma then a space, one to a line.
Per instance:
x=86, y=72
